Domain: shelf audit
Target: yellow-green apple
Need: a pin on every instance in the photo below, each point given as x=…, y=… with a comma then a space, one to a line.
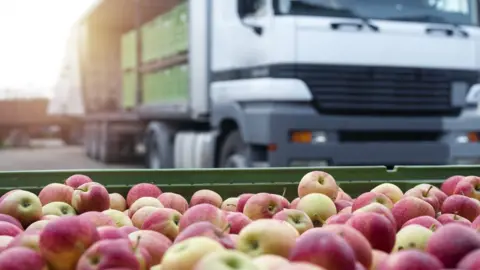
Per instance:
x=340, y=204
x=11, y=219
x=346, y=210
x=206, y=196
x=142, y=202
x=5, y=241
x=294, y=203
x=469, y=186
x=117, y=202
x=242, y=200
x=226, y=260
x=269, y=262
x=156, y=267
x=318, y=207
x=359, y=244
x=58, y=209
x=64, y=240
x=119, y=218
x=109, y=254
x=155, y=243
x=342, y=195
x=449, y=185
x=111, y=232
x=297, y=218
x=453, y=218
x=378, y=230
x=425, y=221
x=476, y=224
x=262, y=205
x=77, y=180
x=50, y=217
x=470, y=261
x=411, y=207
x=323, y=248
x=186, y=254
x=464, y=206
x=393, y=192
x=412, y=237
x=300, y=266
x=56, y=192
x=378, y=257
x=379, y=209
x=7, y=228
x=230, y=204
x=371, y=197
x=142, y=190
x=37, y=225
x=203, y=212
x=90, y=196
x=206, y=229
x=21, y=258
x=411, y=259
x=261, y=237
x=139, y=217
x=21, y=205
x=98, y=218
x=452, y=242
x=318, y=182
x=237, y=221
x=128, y=229
x=338, y=219
x=27, y=239
x=164, y=221
x=426, y=195
x=174, y=201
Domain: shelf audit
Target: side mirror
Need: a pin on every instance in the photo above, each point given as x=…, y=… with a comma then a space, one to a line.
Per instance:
x=244, y=8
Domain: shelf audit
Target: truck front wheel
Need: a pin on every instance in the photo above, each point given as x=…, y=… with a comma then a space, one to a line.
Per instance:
x=234, y=151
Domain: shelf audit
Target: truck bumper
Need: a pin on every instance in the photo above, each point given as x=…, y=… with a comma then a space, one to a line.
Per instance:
x=462, y=149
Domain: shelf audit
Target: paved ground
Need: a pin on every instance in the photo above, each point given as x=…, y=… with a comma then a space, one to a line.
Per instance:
x=49, y=156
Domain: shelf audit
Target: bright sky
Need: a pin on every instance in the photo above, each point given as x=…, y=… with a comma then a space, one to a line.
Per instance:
x=33, y=35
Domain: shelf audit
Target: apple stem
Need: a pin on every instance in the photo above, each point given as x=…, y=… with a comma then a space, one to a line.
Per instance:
x=226, y=228
x=284, y=191
x=433, y=227
x=455, y=215
x=428, y=190
x=137, y=244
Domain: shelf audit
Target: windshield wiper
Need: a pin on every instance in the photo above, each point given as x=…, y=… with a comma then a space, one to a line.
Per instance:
x=432, y=19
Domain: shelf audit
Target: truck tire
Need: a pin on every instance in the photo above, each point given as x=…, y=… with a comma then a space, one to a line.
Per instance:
x=233, y=153
x=159, y=147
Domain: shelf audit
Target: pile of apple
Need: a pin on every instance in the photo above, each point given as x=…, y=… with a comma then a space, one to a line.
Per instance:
x=80, y=225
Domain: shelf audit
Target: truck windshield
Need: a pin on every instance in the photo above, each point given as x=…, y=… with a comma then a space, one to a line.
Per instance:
x=433, y=11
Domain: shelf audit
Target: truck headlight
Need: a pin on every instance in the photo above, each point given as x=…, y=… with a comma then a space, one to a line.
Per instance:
x=312, y=137
x=473, y=95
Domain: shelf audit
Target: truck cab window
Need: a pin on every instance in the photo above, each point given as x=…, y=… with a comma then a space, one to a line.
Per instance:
x=252, y=8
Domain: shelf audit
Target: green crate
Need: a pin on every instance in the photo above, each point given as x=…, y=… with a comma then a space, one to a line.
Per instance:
x=232, y=182
x=129, y=50
x=129, y=89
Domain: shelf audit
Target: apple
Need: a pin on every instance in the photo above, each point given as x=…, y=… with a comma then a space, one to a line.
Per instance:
x=109, y=254
x=225, y=260
x=411, y=259
x=56, y=192
x=206, y=196
x=11, y=219
x=297, y=218
x=412, y=237
x=90, y=196
x=425, y=221
x=156, y=244
x=117, y=202
x=242, y=200
x=143, y=213
x=128, y=229
x=449, y=185
x=29, y=239
x=378, y=230
x=318, y=207
x=379, y=209
x=371, y=197
x=30, y=260
x=425, y=195
x=164, y=221
x=283, y=201
x=452, y=242
x=471, y=261
x=393, y=192
x=209, y=230
x=234, y=238
x=378, y=257
x=269, y=262
x=230, y=204
x=58, y=209
x=119, y=218
x=203, y=212
x=261, y=206
x=142, y=202
x=346, y=210
x=186, y=254
x=98, y=218
x=338, y=219
x=453, y=218
x=64, y=240
x=441, y=196
x=8, y=229
x=174, y=201
x=318, y=182
x=342, y=195
x=237, y=221
x=323, y=248
x=469, y=186
x=464, y=206
x=49, y=217
x=301, y=266
x=411, y=207
x=37, y=225
x=21, y=205
x=359, y=244
x=142, y=190
x=340, y=204
x=476, y=224
x=5, y=241
x=111, y=233
x=293, y=204
x=77, y=180
x=155, y=267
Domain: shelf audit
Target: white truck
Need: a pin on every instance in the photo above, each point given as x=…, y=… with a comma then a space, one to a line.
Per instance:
x=282, y=83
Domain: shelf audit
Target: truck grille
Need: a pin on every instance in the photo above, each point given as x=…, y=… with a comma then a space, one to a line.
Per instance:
x=385, y=90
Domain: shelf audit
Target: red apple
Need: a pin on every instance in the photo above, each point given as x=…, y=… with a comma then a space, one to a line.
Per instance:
x=269, y=262
x=143, y=213
x=318, y=207
x=425, y=221
x=128, y=229
x=300, y=266
x=117, y=202
x=90, y=196
x=56, y=192
x=294, y=203
x=346, y=210
x=371, y=197
x=109, y=254
x=164, y=221
x=425, y=195
x=471, y=261
x=5, y=241
x=298, y=219
x=209, y=230
x=242, y=200
x=476, y=224
x=466, y=207
x=411, y=259
x=342, y=195
x=21, y=205
x=379, y=209
x=338, y=219
x=393, y=192
x=203, y=212
x=155, y=243
x=340, y=204
x=37, y=225
x=20, y=258
x=411, y=207
x=98, y=219
x=9, y=229
x=469, y=186
x=378, y=257
x=27, y=239
x=441, y=196
x=142, y=202
x=262, y=205
x=453, y=218
x=173, y=201
x=11, y=219
x=77, y=180
x=50, y=217
x=323, y=248
x=230, y=204
x=142, y=190
x=378, y=230
x=111, y=233
x=206, y=196
x=318, y=182
x=449, y=185
x=283, y=201
x=237, y=221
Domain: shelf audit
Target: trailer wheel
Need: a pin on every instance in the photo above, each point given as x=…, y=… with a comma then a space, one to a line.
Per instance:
x=159, y=152
x=234, y=152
